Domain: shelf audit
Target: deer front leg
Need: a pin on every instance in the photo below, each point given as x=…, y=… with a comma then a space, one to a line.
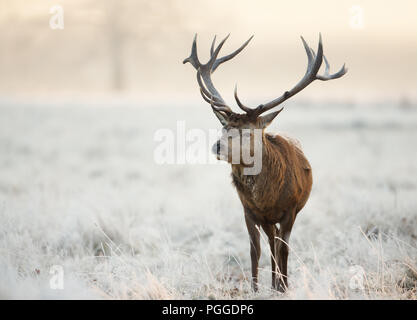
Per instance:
x=271, y=231
x=255, y=248
x=282, y=251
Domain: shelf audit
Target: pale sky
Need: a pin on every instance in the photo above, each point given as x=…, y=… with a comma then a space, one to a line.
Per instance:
x=376, y=39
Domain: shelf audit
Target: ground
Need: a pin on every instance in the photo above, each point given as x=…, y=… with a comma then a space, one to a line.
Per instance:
x=80, y=193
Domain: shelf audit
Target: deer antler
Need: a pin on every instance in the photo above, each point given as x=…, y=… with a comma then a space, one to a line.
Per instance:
x=212, y=96
x=204, y=71
x=313, y=66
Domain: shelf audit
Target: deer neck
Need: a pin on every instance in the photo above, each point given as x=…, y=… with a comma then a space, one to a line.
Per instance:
x=250, y=182
x=242, y=180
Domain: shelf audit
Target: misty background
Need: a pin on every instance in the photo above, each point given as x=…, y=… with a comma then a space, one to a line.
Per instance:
x=80, y=187
x=136, y=49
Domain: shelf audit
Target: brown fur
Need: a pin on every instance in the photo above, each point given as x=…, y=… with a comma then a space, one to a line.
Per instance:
x=283, y=186
x=274, y=196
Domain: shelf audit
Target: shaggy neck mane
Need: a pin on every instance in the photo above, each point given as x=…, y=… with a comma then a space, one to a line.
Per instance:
x=272, y=166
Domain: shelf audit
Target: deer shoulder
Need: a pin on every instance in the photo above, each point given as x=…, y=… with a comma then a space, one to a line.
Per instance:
x=294, y=144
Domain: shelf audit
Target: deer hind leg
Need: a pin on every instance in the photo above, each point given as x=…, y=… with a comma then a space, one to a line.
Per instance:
x=282, y=251
x=255, y=248
x=272, y=231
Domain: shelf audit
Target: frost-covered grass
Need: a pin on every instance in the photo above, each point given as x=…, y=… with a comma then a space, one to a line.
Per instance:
x=79, y=188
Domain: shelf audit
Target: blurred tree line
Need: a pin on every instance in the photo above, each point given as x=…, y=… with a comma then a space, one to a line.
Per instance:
x=105, y=44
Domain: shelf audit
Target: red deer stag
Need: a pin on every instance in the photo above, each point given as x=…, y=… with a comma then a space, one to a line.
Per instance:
x=281, y=189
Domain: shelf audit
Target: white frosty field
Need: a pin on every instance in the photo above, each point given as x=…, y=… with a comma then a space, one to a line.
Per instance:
x=79, y=189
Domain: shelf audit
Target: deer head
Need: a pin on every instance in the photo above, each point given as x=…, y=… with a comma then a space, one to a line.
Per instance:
x=243, y=126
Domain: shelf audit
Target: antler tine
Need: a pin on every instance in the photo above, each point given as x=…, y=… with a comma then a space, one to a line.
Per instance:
x=313, y=53
x=230, y=56
x=204, y=89
x=215, y=53
x=327, y=76
x=212, y=46
x=207, y=96
x=313, y=65
x=308, y=51
x=216, y=106
x=221, y=115
x=193, y=58
x=314, y=61
x=209, y=99
x=240, y=104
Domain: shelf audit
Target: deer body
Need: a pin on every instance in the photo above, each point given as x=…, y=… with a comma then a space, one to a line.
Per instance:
x=274, y=196
x=281, y=188
x=283, y=184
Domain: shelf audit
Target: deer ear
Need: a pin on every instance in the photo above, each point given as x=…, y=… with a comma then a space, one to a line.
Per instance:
x=222, y=116
x=265, y=120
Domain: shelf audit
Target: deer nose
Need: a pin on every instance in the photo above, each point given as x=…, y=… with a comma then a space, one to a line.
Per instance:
x=216, y=148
